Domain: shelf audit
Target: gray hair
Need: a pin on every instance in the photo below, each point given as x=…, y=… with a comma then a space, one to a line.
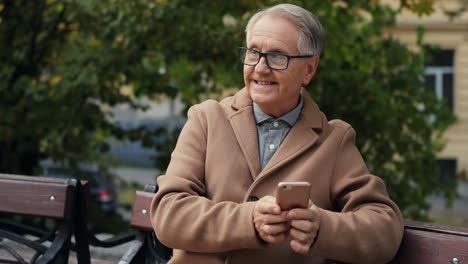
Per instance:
x=311, y=36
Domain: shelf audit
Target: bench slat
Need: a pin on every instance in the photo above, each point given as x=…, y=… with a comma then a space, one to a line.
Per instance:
x=140, y=219
x=432, y=243
x=36, y=196
x=4, y=176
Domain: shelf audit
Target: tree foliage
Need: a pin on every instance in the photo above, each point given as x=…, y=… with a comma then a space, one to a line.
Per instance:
x=62, y=63
x=366, y=78
x=377, y=84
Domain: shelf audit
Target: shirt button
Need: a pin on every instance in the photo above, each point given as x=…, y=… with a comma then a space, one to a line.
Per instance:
x=252, y=199
x=272, y=146
x=275, y=124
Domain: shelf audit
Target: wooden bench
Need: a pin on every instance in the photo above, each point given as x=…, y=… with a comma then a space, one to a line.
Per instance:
x=38, y=199
x=430, y=243
x=423, y=243
x=146, y=248
x=66, y=203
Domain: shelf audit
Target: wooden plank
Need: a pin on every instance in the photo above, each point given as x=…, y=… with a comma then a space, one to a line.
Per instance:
x=36, y=196
x=31, y=178
x=434, y=227
x=141, y=211
x=433, y=243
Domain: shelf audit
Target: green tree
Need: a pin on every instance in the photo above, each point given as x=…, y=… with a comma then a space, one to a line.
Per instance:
x=366, y=78
x=377, y=84
x=63, y=63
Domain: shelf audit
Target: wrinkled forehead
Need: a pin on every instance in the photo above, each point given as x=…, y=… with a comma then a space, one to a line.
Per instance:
x=273, y=30
x=278, y=19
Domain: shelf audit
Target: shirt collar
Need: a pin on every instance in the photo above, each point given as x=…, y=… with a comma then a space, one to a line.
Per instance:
x=290, y=117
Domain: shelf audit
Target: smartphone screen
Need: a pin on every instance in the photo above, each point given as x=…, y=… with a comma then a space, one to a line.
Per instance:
x=291, y=195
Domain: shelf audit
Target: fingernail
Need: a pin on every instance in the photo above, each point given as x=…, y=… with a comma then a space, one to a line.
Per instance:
x=276, y=210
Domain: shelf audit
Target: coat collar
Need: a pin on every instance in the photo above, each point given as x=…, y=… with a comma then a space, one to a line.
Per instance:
x=301, y=136
x=311, y=113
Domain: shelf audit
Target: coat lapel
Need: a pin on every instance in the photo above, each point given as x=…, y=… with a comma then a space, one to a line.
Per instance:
x=245, y=129
x=299, y=139
x=302, y=136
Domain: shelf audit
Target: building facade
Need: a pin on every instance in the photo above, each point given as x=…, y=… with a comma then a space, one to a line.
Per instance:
x=447, y=75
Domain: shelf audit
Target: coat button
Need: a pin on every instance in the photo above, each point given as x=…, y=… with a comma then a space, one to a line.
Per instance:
x=253, y=199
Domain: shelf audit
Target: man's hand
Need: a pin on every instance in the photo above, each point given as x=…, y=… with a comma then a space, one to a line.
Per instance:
x=270, y=223
x=304, y=226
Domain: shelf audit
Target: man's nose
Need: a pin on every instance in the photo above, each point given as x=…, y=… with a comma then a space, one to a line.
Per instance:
x=262, y=66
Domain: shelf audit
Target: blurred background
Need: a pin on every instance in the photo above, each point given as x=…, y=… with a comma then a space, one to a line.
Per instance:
x=98, y=90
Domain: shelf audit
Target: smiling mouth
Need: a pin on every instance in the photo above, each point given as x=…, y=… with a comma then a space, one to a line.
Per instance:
x=265, y=83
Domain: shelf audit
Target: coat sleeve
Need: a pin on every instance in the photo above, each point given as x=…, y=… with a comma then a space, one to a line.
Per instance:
x=367, y=226
x=181, y=215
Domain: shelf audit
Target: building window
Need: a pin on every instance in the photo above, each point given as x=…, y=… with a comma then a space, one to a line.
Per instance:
x=448, y=169
x=439, y=76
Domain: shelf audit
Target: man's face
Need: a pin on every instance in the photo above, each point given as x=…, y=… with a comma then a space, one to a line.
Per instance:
x=277, y=92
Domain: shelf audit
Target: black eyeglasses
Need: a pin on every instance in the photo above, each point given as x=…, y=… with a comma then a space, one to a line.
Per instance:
x=274, y=60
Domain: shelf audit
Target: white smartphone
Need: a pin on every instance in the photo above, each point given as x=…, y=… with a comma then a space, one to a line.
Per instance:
x=291, y=195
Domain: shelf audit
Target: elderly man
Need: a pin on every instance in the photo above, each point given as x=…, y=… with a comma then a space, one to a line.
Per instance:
x=216, y=202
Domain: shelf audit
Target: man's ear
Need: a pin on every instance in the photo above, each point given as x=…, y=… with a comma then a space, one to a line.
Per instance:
x=311, y=68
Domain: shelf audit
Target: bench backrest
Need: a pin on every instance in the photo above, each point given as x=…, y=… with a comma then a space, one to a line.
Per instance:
x=37, y=196
x=433, y=243
x=40, y=198
x=147, y=247
x=140, y=211
x=422, y=242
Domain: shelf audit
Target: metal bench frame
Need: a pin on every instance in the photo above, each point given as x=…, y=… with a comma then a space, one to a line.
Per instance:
x=38, y=198
x=146, y=248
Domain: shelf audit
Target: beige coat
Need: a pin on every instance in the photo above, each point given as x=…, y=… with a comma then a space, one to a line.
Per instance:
x=202, y=208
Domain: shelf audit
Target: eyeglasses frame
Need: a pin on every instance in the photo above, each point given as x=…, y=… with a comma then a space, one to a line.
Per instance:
x=264, y=54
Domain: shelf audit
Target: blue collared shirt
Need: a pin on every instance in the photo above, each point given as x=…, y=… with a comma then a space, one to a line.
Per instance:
x=271, y=132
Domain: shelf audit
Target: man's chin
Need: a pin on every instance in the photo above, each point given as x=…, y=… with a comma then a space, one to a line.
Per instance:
x=262, y=94
x=265, y=102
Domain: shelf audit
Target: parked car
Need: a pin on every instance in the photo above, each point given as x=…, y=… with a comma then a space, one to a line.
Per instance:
x=101, y=190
